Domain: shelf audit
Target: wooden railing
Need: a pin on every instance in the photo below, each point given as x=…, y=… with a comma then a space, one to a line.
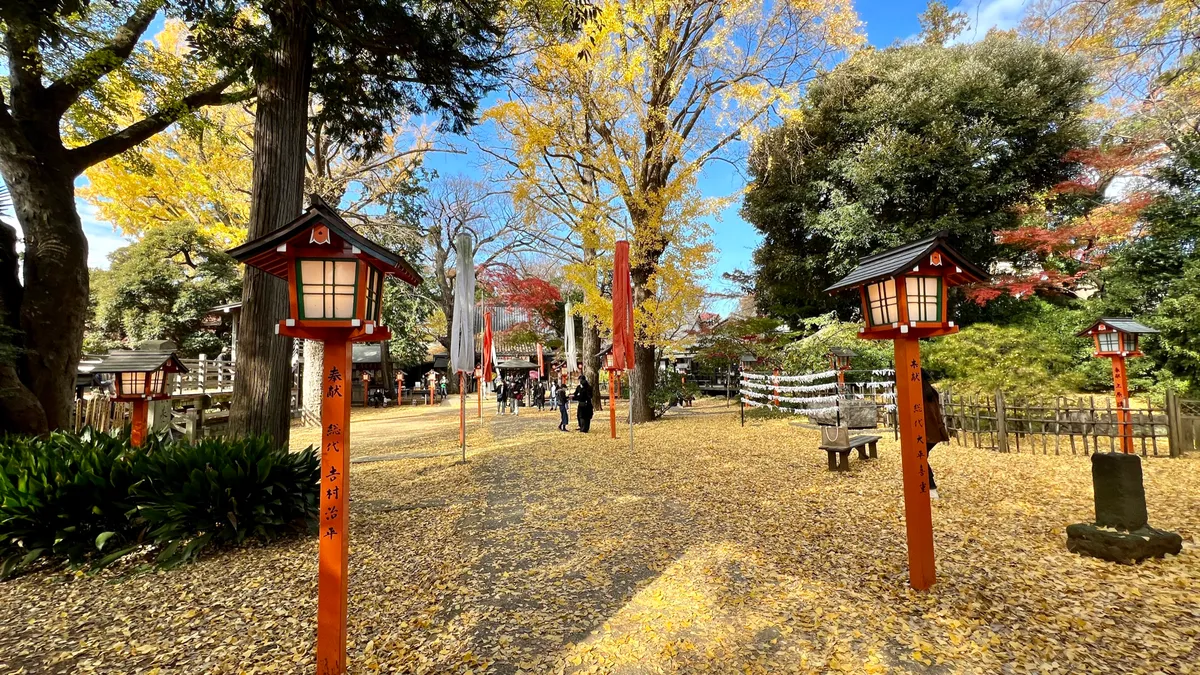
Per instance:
x=205, y=376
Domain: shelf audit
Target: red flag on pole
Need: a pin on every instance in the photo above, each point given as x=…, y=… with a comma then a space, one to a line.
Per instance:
x=488, y=366
x=541, y=363
x=622, y=309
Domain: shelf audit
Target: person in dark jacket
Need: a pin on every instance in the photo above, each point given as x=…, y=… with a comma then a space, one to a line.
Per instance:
x=560, y=402
x=583, y=406
x=935, y=425
x=501, y=395
x=539, y=395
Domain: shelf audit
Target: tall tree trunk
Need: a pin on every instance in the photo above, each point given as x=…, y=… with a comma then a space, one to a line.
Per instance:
x=262, y=390
x=54, y=303
x=314, y=358
x=20, y=411
x=642, y=376
x=385, y=366
x=589, y=362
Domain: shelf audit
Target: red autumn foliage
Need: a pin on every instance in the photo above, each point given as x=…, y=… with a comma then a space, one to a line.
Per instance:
x=1059, y=252
x=537, y=296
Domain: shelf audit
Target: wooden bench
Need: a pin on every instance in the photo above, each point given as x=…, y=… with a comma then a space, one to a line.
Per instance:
x=839, y=456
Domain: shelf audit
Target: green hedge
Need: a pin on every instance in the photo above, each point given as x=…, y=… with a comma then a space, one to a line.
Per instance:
x=90, y=498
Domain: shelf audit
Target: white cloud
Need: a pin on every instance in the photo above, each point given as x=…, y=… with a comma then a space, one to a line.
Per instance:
x=988, y=14
x=102, y=238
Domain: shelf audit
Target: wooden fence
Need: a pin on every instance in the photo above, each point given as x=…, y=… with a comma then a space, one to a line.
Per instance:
x=1075, y=425
x=101, y=413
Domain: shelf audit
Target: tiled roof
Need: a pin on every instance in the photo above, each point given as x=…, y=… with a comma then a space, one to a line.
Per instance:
x=897, y=260
x=134, y=361
x=1125, y=325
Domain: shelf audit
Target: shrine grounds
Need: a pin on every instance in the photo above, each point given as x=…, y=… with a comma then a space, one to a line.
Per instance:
x=707, y=548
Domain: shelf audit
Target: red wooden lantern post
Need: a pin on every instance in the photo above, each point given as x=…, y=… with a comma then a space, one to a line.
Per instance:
x=904, y=298
x=335, y=286
x=399, y=389
x=366, y=380
x=839, y=360
x=141, y=377
x=1117, y=339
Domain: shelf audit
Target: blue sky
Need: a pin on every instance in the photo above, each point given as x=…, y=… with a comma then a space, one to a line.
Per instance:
x=885, y=21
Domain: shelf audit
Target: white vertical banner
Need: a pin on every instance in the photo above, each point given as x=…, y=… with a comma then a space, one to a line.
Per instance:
x=462, y=337
x=569, y=339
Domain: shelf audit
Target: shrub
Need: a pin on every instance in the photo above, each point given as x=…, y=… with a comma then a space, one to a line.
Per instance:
x=223, y=492
x=670, y=389
x=91, y=498
x=64, y=496
x=810, y=354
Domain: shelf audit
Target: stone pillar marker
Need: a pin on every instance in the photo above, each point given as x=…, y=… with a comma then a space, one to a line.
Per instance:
x=1121, y=533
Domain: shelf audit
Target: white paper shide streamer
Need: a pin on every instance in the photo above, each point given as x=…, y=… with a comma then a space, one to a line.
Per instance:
x=569, y=341
x=462, y=339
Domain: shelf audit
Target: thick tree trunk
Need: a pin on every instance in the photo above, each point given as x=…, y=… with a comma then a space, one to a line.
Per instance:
x=589, y=348
x=20, y=411
x=314, y=357
x=262, y=390
x=54, y=302
x=642, y=376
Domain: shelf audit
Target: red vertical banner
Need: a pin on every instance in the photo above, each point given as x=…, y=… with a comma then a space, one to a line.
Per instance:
x=488, y=366
x=1121, y=390
x=333, y=575
x=918, y=516
x=622, y=309
x=541, y=362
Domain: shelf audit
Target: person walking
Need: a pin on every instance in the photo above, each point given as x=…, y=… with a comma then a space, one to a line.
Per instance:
x=560, y=402
x=935, y=425
x=518, y=397
x=583, y=407
x=501, y=392
x=539, y=396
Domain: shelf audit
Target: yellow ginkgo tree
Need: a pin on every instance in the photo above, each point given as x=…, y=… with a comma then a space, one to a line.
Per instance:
x=652, y=92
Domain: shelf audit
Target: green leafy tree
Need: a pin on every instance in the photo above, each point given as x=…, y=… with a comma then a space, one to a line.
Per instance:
x=81, y=86
x=940, y=24
x=160, y=288
x=896, y=144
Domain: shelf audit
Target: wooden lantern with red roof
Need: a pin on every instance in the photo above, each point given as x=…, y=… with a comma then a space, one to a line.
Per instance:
x=905, y=296
x=1117, y=339
x=335, y=292
x=141, y=377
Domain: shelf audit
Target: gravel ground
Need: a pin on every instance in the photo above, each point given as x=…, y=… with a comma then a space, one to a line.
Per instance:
x=708, y=548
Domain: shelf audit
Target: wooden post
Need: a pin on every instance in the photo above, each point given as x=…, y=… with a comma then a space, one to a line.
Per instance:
x=612, y=400
x=479, y=390
x=335, y=487
x=137, y=427
x=918, y=517
x=1001, y=423
x=202, y=373
x=462, y=413
x=1121, y=388
x=1172, y=412
x=366, y=379
x=399, y=389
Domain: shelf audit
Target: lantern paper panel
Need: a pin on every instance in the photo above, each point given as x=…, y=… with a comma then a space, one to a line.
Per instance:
x=1109, y=342
x=328, y=289
x=882, y=303
x=923, y=296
